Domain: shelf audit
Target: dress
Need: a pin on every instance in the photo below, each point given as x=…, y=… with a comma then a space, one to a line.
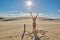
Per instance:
x=34, y=24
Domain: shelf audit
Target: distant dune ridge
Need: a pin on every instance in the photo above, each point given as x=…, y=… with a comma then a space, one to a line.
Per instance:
x=16, y=18
x=21, y=15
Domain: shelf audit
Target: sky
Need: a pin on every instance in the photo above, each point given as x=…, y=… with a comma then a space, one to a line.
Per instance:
x=47, y=8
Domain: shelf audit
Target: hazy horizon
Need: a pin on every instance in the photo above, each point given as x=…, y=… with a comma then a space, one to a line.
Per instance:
x=47, y=8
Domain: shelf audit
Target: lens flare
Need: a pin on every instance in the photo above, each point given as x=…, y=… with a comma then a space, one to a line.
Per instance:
x=28, y=4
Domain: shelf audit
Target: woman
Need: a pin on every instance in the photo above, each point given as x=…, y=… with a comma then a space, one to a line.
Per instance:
x=34, y=21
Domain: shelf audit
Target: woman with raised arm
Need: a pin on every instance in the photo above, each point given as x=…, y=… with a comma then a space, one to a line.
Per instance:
x=34, y=21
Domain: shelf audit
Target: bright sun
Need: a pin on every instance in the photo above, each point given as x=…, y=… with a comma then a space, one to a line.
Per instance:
x=28, y=3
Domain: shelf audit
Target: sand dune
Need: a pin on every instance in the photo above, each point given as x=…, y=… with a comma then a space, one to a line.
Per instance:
x=13, y=30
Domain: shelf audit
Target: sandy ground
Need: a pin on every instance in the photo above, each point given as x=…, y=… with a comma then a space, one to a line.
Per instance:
x=13, y=30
